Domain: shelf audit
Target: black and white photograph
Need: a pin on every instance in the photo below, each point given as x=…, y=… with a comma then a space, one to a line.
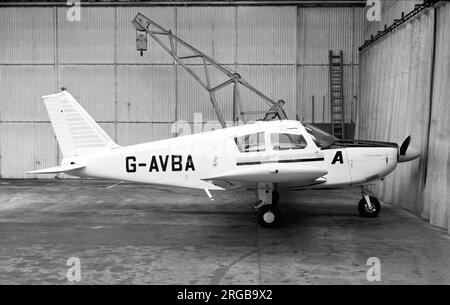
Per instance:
x=223, y=150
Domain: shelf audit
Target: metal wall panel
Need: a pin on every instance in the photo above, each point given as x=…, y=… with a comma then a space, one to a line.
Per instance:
x=266, y=35
x=93, y=87
x=192, y=98
x=21, y=88
x=146, y=93
x=126, y=35
x=395, y=87
x=26, y=35
x=210, y=29
x=274, y=81
x=25, y=147
x=90, y=40
x=350, y=93
x=109, y=128
x=324, y=29
x=137, y=133
x=321, y=30
x=359, y=19
x=314, y=81
x=355, y=97
x=437, y=187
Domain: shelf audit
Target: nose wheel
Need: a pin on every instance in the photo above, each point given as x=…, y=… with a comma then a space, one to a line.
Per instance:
x=267, y=213
x=369, y=207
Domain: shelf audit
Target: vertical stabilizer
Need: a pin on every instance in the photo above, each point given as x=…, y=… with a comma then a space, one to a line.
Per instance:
x=77, y=133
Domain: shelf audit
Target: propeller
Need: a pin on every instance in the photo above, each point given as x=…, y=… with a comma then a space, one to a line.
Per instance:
x=406, y=155
x=405, y=145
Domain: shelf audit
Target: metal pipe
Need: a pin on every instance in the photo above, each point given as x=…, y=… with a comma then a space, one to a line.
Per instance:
x=224, y=84
x=323, y=109
x=433, y=68
x=212, y=96
x=239, y=99
x=301, y=3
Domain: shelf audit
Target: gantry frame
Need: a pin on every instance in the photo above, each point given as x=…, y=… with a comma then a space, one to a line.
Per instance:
x=144, y=26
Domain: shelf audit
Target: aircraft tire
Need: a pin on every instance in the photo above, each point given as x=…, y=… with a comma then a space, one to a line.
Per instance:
x=268, y=216
x=364, y=211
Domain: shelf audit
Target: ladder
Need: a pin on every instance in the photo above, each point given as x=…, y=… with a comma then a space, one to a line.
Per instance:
x=336, y=68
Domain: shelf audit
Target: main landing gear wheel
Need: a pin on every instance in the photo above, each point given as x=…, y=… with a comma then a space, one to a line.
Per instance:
x=268, y=216
x=369, y=211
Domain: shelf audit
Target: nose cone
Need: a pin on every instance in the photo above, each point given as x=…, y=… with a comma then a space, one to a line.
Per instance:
x=409, y=155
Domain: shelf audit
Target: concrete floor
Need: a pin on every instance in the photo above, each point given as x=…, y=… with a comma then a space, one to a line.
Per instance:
x=142, y=234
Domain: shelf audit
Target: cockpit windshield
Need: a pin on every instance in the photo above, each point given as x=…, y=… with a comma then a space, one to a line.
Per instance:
x=321, y=138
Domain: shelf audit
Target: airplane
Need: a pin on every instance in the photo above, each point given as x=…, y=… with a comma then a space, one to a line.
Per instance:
x=265, y=156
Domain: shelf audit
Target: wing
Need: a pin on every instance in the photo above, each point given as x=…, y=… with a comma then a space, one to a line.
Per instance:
x=248, y=176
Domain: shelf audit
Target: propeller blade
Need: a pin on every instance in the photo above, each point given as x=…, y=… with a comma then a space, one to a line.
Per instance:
x=404, y=146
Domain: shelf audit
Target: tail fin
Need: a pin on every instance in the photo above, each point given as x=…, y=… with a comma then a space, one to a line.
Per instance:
x=77, y=133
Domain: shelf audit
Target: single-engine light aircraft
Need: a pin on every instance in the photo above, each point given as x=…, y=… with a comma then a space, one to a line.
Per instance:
x=265, y=156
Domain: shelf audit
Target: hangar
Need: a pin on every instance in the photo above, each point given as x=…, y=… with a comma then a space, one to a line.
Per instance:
x=392, y=74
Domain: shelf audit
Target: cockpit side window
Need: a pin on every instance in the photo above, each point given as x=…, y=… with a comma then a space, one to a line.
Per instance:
x=251, y=143
x=286, y=141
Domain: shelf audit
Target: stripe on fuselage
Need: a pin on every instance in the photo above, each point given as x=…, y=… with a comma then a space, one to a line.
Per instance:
x=279, y=161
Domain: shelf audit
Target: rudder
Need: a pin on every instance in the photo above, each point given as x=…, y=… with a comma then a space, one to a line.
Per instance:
x=76, y=131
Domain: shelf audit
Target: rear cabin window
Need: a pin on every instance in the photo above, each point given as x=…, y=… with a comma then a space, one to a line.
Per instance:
x=286, y=141
x=251, y=143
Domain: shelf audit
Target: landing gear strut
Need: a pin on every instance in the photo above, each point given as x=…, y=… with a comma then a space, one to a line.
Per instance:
x=368, y=206
x=275, y=197
x=268, y=214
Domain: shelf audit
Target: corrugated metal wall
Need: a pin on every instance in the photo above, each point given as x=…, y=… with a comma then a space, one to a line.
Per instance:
x=390, y=10
x=397, y=76
x=437, y=187
x=321, y=30
x=281, y=50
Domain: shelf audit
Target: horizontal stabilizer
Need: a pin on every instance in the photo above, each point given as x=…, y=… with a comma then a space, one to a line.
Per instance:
x=57, y=169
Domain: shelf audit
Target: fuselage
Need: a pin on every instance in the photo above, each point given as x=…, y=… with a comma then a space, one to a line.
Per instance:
x=191, y=160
